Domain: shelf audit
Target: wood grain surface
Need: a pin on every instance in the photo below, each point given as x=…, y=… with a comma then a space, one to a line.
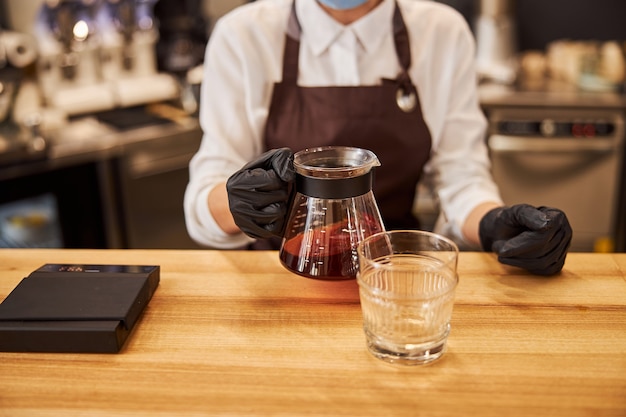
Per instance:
x=233, y=333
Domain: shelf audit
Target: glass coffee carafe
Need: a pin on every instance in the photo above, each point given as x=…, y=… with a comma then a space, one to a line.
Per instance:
x=333, y=210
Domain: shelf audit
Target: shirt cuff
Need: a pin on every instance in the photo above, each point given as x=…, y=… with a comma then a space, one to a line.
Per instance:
x=215, y=235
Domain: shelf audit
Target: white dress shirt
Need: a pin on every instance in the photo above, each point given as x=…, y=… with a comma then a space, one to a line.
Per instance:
x=244, y=59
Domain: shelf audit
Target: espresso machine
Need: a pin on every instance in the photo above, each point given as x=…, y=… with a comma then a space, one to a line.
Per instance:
x=97, y=55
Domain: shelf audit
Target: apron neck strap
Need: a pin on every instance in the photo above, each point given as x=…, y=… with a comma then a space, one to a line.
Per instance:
x=292, y=44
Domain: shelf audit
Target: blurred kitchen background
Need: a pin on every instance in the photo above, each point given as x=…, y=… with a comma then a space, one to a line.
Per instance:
x=98, y=115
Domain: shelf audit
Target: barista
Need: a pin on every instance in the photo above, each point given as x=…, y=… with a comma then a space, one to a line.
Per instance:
x=393, y=76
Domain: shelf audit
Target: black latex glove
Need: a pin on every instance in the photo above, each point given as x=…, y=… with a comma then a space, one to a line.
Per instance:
x=258, y=194
x=533, y=238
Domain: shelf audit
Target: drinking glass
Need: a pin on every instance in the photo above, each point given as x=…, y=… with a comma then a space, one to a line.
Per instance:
x=407, y=280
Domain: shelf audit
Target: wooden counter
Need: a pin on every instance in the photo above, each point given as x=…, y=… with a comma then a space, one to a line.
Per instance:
x=234, y=334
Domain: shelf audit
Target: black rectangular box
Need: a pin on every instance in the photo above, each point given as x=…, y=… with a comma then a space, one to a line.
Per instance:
x=76, y=308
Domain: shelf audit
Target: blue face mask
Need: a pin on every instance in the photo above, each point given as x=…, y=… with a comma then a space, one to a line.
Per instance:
x=342, y=4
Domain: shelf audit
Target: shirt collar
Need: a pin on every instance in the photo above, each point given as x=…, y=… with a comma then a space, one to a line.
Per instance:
x=321, y=30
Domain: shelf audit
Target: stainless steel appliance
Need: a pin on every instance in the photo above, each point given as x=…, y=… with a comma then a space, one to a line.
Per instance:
x=565, y=157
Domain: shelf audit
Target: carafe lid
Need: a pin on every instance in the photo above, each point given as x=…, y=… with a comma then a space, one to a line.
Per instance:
x=334, y=162
x=334, y=172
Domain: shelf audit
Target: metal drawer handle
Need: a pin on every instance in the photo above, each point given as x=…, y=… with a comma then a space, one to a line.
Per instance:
x=511, y=144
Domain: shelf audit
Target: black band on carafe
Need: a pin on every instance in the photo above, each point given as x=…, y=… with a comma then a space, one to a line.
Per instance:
x=334, y=188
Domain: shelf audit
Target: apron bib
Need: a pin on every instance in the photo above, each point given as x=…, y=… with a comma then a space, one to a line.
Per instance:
x=386, y=119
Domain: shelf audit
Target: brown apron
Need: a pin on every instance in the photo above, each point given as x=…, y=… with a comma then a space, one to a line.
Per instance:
x=368, y=117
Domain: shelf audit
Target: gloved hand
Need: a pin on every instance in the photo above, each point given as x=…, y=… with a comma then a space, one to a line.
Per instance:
x=258, y=194
x=536, y=239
